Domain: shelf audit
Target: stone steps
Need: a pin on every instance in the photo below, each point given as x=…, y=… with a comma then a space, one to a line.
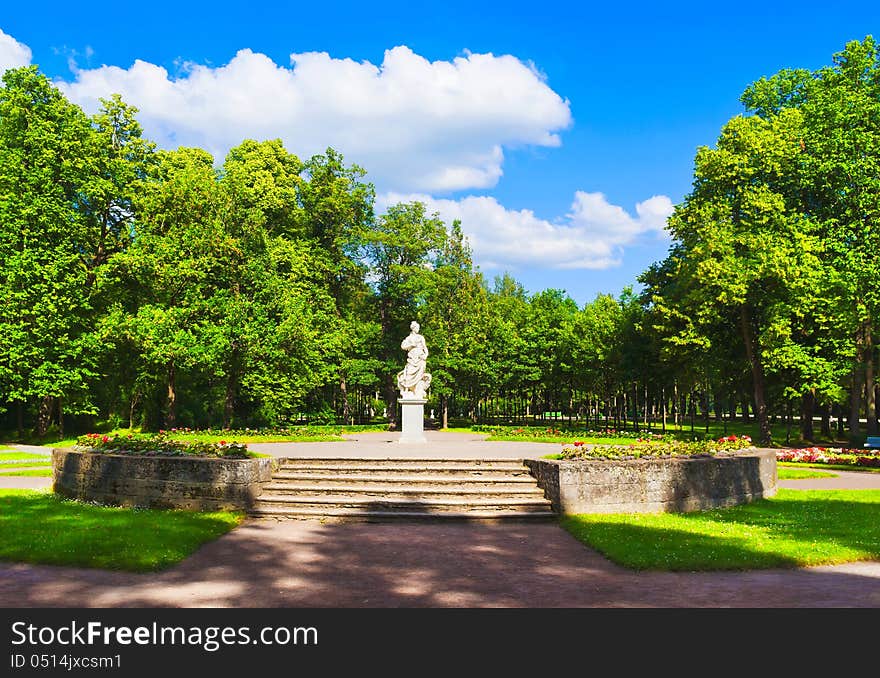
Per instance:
x=500, y=481
x=384, y=489
x=397, y=489
x=357, y=515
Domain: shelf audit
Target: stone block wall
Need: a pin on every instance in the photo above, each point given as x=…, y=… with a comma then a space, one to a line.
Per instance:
x=193, y=483
x=656, y=485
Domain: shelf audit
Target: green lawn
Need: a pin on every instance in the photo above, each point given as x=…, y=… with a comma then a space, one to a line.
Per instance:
x=26, y=464
x=22, y=456
x=38, y=472
x=802, y=474
x=38, y=527
x=795, y=528
x=827, y=467
x=562, y=440
x=715, y=430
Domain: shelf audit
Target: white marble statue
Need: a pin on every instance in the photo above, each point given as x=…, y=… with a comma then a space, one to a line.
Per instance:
x=412, y=380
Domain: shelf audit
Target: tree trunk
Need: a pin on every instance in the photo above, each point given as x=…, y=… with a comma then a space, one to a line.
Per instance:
x=754, y=358
x=171, y=399
x=60, y=418
x=825, y=426
x=343, y=393
x=635, y=405
x=808, y=403
x=876, y=409
x=132, y=404
x=838, y=413
x=444, y=411
x=663, y=406
x=855, y=401
x=19, y=419
x=44, y=415
x=391, y=401
x=229, y=399
x=692, y=410
x=745, y=409
x=787, y=421
x=675, y=404
x=870, y=395
x=855, y=393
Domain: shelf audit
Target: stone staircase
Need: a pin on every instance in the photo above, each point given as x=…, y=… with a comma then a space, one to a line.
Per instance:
x=403, y=489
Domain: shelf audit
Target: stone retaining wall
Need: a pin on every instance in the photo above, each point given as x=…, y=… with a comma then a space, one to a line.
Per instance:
x=655, y=485
x=193, y=483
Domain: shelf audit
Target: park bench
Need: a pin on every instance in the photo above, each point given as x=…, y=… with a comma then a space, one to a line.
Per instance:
x=873, y=443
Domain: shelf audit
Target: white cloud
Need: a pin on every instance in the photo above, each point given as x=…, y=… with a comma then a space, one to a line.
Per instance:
x=12, y=53
x=591, y=236
x=417, y=126
x=413, y=124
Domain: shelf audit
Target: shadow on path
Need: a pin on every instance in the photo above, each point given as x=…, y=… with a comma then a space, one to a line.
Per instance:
x=269, y=563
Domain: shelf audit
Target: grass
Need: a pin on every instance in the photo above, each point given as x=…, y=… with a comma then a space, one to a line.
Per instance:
x=39, y=527
x=714, y=430
x=562, y=440
x=827, y=467
x=796, y=528
x=802, y=474
x=35, y=472
x=22, y=456
x=26, y=464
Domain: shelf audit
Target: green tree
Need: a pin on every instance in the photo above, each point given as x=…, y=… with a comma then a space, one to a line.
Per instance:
x=747, y=251
x=47, y=353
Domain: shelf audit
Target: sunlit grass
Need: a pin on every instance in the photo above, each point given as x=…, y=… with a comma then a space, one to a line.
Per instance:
x=795, y=528
x=33, y=472
x=565, y=439
x=39, y=527
x=827, y=467
x=22, y=456
x=802, y=474
x=26, y=464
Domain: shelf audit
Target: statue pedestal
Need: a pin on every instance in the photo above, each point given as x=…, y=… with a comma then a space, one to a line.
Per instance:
x=413, y=421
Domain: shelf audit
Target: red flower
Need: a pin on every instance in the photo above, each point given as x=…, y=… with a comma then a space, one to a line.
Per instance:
x=105, y=439
x=222, y=442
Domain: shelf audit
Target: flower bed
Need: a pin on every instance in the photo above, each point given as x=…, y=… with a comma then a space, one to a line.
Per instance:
x=153, y=479
x=664, y=448
x=711, y=477
x=831, y=455
x=551, y=431
x=159, y=445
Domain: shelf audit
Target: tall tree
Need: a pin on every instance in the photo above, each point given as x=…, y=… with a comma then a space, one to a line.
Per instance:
x=47, y=353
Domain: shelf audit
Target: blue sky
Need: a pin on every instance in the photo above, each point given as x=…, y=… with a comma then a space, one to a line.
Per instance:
x=561, y=134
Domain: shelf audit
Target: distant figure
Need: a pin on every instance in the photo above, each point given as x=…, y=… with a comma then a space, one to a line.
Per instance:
x=412, y=380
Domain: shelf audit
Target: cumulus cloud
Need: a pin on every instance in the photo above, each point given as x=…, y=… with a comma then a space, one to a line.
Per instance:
x=12, y=53
x=413, y=124
x=591, y=236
